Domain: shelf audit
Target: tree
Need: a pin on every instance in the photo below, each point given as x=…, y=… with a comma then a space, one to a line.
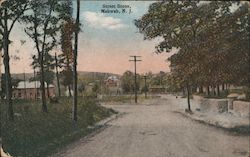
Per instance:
x=67, y=81
x=14, y=84
x=174, y=83
x=67, y=30
x=57, y=75
x=127, y=82
x=180, y=24
x=176, y=29
x=74, y=115
x=223, y=50
x=81, y=88
x=158, y=79
x=42, y=26
x=49, y=65
x=10, y=13
x=96, y=87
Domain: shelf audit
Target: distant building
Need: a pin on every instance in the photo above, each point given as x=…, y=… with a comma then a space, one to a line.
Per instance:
x=112, y=81
x=31, y=90
x=113, y=84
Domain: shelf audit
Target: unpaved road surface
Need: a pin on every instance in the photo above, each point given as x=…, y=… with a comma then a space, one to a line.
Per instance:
x=154, y=129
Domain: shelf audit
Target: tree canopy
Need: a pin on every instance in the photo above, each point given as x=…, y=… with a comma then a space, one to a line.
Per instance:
x=212, y=39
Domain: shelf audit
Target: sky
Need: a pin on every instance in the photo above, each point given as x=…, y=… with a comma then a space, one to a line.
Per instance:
x=105, y=43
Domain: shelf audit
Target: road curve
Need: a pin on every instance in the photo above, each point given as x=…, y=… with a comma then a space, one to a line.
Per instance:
x=154, y=129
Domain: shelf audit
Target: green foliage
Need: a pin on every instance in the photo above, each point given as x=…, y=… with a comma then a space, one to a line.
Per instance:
x=66, y=76
x=49, y=65
x=42, y=25
x=144, y=89
x=159, y=79
x=128, y=82
x=37, y=134
x=174, y=84
x=96, y=87
x=10, y=13
x=14, y=84
x=81, y=88
x=212, y=40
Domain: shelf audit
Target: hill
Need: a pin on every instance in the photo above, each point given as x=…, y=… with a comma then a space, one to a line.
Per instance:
x=81, y=74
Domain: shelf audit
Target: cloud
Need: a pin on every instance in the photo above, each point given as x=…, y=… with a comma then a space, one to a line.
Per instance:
x=101, y=21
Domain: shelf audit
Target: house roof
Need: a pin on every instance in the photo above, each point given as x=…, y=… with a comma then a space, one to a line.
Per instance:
x=32, y=84
x=114, y=78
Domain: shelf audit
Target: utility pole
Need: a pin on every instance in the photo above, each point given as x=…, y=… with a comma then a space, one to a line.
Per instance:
x=135, y=87
x=145, y=85
x=77, y=23
x=57, y=76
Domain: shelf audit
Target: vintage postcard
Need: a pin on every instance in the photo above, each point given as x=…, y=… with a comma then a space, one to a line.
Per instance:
x=107, y=78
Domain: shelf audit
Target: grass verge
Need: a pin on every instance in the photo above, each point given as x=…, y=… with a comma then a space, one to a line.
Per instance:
x=38, y=134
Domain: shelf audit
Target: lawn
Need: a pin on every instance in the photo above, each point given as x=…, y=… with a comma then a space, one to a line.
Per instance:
x=38, y=134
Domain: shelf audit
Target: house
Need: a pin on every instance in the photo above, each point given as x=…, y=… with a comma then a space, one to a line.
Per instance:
x=31, y=90
x=113, y=84
x=112, y=81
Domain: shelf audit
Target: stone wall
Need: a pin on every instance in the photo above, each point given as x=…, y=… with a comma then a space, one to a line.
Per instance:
x=211, y=105
x=241, y=108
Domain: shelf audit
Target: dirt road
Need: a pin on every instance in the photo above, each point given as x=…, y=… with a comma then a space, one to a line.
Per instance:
x=154, y=129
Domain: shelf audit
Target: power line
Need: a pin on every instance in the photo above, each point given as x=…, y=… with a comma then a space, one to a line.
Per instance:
x=135, y=86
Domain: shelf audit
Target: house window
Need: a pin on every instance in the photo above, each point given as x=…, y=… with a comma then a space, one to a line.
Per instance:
x=19, y=94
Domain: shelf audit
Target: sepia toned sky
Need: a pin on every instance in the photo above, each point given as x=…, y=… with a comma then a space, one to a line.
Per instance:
x=105, y=43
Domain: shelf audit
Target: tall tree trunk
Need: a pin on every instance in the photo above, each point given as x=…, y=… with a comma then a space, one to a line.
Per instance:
x=223, y=86
x=218, y=90
x=201, y=89
x=248, y=86
x=57, y=77
x=48, y=94
x=74, y=115
x=213, y=89
x=44, y=106
x=69, y=89
x=208, y=91
x=188, y=97
x=10, y=112
x=183, y=91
